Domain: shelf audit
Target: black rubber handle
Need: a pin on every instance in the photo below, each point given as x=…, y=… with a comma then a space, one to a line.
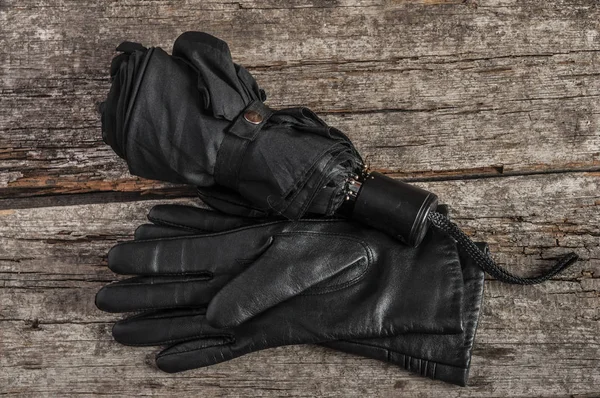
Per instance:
x=395, y=207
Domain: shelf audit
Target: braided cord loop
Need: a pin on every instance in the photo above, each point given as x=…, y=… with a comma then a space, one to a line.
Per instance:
x=486, y=263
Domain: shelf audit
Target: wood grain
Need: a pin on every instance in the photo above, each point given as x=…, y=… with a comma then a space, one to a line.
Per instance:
x=433, y=88
x=532, y=340
x=492, y=104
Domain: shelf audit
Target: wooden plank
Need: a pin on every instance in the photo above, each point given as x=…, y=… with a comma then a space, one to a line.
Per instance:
x=57, y=359
x=433, y=88
x=440, y=91
x=537, y=340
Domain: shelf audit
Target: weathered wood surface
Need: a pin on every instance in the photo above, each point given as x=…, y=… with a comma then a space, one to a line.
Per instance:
x=495, y=104
x=508, y=86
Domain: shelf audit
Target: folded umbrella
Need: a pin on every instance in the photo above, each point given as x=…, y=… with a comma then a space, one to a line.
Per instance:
x=184, y=295
x=196, y=117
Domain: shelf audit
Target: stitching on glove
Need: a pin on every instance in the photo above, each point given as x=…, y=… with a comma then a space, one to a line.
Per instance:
x=338, y=287
x=344, y=285
x=160, y=221
x=174, y=342
x=125, y=283
x=405, y=358
x=201, y=310
x=230, y=341
x=166, y=308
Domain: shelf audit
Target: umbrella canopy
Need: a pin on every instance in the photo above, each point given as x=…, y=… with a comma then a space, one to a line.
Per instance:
x=196, y=117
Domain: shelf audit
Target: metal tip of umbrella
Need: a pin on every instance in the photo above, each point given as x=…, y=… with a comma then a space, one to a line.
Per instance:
x=353, y=185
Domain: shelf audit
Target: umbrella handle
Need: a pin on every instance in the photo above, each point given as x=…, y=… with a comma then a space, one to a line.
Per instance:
x=406, y=211
x=393, y=206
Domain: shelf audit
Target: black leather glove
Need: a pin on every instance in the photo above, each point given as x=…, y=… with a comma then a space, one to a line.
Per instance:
x=445, y=357
x=219, y=295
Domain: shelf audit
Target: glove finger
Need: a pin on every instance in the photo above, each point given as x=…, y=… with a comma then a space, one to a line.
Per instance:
x=203, y=254
x=195, y=219
x=152, y=293
x=165, y=328
x=151, y=231
x=230, y=202
x=196, y=354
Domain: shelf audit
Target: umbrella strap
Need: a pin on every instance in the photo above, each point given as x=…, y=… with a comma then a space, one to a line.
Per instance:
x=486, y=263
x=243, y=131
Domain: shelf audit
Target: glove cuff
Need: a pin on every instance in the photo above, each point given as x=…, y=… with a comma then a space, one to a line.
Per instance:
x=423, y=367
x=448, y=356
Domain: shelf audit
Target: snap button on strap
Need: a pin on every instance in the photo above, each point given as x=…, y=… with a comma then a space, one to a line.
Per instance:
x=253, y=117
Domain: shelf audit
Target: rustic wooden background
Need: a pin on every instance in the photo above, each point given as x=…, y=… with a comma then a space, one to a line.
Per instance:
x=493, y=104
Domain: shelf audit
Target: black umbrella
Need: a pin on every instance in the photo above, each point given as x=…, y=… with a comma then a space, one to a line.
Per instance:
x=196, y=117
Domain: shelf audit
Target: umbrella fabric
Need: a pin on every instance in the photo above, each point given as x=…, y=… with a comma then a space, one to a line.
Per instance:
x=198, y=118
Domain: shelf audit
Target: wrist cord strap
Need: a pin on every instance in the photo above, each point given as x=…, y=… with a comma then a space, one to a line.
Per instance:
x=486, y=263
